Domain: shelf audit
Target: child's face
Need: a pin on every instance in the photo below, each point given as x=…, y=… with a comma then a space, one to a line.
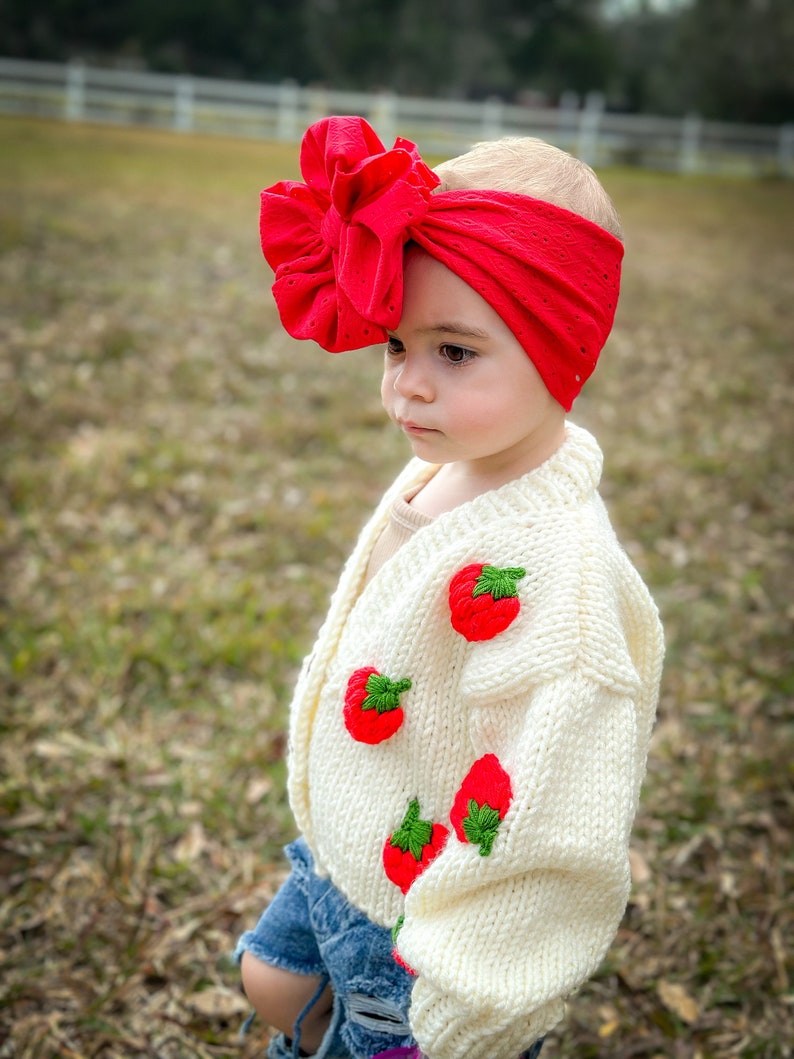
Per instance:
x=459, y=384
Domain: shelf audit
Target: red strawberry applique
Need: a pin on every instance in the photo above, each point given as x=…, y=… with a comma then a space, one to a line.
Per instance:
x=483, y=600
x=372, y=705
x=481, y=803
x=410, y=849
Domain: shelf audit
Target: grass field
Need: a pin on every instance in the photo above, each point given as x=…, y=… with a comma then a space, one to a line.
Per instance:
x=180, y=485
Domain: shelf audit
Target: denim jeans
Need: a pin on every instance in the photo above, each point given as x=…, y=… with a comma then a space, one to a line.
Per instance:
x=309, y=928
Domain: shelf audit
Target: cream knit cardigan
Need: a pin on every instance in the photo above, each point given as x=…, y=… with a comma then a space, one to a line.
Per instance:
x=564, y=697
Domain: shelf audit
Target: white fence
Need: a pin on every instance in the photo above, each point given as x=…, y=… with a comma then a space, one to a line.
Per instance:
x=76, y=92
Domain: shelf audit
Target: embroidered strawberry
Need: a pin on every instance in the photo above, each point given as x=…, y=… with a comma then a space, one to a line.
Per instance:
x=410, y=849
x=483, y=600
x=481, y=803
x=372, y=705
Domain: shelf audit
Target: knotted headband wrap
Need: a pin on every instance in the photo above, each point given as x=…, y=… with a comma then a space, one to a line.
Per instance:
x=336, y=245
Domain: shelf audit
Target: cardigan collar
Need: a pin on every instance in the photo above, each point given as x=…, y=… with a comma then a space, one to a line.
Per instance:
x=567, y=478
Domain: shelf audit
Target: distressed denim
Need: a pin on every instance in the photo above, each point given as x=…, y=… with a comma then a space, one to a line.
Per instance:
x=309, y=928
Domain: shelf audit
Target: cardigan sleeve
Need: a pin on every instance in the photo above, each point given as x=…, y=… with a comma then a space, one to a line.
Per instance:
x=499, y=939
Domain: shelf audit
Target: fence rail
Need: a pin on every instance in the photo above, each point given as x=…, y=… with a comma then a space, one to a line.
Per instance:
x=76, y=92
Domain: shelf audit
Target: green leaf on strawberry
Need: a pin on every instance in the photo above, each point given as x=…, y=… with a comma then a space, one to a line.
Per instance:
x=413, y=834
x=395, y=930
x=383, y=694
x=481, y=825
x=481, y=803
x=409, y=849
x=372, y=710
x=500, y=582
x=483, y=600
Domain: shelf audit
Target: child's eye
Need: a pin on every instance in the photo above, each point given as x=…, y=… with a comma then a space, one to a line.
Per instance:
x=394, y=347
x=456, y=354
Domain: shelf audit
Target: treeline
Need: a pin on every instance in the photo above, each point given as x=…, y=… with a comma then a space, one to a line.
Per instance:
x=724, y=59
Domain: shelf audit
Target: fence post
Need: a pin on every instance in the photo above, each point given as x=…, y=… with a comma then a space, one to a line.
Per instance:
x=688, y=157
x=75, y=91
x=567, y=112
x=287, y=112
x=785, y=150
x=589, y=121
x=383, y=115
x=492, y=110
x=318, y=104
x=183, y=104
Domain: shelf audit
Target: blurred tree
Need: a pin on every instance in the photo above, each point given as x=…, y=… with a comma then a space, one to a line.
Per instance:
x=646, y=76
x=556, y=45
x=737, y=59
x=265, y=38
x=460, y=48
x=730, y=59
x=450, y=48
x=352, y=42
x=59, y=28
x=725, y=59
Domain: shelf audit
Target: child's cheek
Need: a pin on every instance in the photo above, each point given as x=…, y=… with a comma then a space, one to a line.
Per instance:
x=387, y=389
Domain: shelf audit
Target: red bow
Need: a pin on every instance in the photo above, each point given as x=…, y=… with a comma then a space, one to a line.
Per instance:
x=336, y=242
x=336, y=245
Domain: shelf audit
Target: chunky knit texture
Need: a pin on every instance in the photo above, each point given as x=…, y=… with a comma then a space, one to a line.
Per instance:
x=495, y=818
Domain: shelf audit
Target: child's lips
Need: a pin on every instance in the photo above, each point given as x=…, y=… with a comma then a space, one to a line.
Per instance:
x=409, y=427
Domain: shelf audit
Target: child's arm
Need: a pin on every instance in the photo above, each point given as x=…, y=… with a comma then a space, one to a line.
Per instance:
x=499, y=940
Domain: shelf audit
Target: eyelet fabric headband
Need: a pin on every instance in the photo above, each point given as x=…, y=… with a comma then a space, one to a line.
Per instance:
x=336, y=243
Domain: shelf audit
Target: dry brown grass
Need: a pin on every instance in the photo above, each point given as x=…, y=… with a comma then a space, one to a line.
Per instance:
x=180, y=486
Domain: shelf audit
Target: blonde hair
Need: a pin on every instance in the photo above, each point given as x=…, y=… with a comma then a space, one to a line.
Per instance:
x=528, y=166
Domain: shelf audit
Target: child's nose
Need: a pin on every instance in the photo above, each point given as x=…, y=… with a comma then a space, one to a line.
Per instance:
x=413, y=379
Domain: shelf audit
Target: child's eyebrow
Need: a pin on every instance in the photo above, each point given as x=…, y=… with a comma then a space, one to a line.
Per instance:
x=454, y=327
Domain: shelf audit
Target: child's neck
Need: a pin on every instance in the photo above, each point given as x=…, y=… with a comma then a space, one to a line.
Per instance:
x=458, y=482
x=447, y=489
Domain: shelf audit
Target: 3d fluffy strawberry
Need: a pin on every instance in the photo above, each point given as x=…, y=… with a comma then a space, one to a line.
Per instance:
x=481, y=803
x=372, y=705
x=483, y=600
x=410, y=849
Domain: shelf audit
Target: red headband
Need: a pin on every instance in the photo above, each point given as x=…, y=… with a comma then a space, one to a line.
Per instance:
x=336, y=246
